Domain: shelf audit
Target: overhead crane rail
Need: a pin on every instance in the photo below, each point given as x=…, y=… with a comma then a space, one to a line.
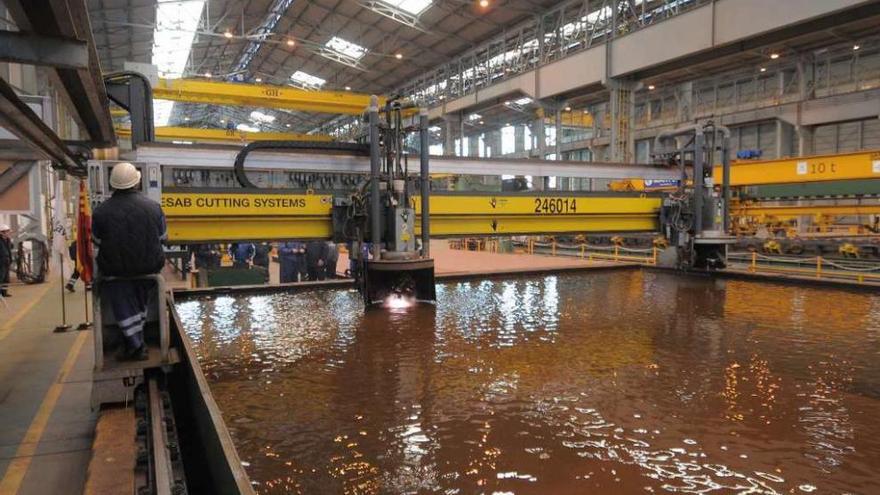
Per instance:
x=172, y=133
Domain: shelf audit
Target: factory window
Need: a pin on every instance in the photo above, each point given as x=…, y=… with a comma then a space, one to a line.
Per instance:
x=508, y=139
x=527, y=134
x=481, y=148
x=550, y=135
x=465, y=146
x=435, y=149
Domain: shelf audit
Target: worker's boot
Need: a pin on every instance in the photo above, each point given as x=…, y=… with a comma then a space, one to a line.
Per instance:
x=69, y=286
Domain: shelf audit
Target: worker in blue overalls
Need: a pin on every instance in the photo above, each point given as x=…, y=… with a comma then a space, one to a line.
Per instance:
x=128, y=231
x=242, y=254
x=292, y=257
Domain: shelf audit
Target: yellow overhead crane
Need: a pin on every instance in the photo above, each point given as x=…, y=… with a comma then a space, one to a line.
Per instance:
x=262, y=95
x=822, y=168
x=215, y=217
x=224, y=136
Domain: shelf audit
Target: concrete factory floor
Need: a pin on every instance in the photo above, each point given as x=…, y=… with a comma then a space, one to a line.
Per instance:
x=47, y=424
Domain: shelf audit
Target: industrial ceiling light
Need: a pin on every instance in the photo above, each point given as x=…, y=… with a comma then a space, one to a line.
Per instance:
x=481, y=122
x=222, y=121
x=228, y=34
x=774, y=56
x=348, y=88
x=286, y=125
x=398, y=56
x=651, y=87
x=567, y=109
x=258, y=79
x=856, y=47
x=290, y=42
x=507, y=103
x=208, y=74
x=763, y=69
x=484, y=3
x=186, y=119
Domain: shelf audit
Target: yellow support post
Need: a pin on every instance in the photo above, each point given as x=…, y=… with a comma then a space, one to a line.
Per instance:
x=818, y=267
x=616, y=251
x=754, y=266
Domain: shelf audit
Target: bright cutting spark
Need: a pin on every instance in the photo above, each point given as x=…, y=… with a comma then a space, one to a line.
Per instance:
x=397, y=301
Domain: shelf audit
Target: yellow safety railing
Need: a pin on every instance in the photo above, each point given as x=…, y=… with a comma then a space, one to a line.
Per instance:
x=818, y=267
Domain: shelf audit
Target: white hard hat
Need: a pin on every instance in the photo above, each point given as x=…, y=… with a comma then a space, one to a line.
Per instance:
x=124, y=176
x=4, y=228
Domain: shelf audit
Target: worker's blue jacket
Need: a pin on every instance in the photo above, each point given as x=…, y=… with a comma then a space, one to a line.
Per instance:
x=128, y=231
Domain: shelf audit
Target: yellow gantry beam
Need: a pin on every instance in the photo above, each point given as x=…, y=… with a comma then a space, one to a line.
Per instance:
x=262, y=95
x=224, y=136
x=206, y=217
x=849, y=166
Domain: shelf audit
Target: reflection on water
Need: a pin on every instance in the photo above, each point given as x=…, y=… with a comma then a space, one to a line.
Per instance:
x=603, y=383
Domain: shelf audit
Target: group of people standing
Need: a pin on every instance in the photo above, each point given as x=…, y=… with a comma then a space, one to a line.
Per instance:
x=301, y=261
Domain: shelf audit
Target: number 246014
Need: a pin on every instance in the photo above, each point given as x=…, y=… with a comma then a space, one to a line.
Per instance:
x=555, y=205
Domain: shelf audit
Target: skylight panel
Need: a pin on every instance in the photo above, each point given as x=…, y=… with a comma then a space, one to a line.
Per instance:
x=176, y=25
x=346, y=48
x=523, y=101
x=307, y=80
x=261, y=117
x=474, y=116
x=414, y=7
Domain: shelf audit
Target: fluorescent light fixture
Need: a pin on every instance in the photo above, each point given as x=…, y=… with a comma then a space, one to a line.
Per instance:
x=414, y=7
x=346, y=48
x=261, y=117
x=434, y=128
x=307, y=80
x=523, y=101
x=474, y=116
x=247, y=128
x=176, y=25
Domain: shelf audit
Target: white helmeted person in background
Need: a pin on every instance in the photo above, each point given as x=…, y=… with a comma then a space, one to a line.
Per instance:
x=128, y=231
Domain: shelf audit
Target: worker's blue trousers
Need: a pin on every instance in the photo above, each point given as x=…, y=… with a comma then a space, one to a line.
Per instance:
x=129, y=299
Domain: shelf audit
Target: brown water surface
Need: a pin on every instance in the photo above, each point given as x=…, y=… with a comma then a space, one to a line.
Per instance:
x=623, y=382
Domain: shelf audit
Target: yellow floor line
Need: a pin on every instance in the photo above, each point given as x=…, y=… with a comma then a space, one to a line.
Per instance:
x=7, y=327
x=18, y=468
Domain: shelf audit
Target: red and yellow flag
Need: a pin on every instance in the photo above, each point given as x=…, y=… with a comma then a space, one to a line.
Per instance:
x=84, y=235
